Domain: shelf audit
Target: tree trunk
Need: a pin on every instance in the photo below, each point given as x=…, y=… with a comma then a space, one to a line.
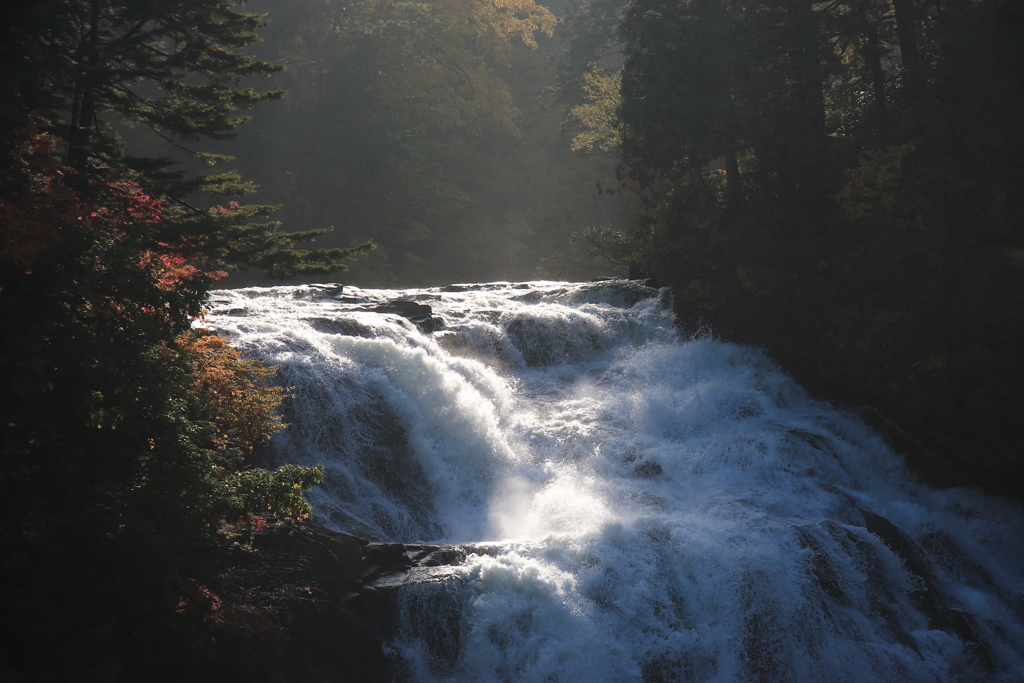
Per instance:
x=808, y=150
x=83, y=108
x=906, y=34
x=733, y=191
x=808, y=90
x=872, y=55
x=699, y=186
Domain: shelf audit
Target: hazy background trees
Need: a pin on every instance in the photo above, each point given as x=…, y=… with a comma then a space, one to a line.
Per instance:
x=431, y=128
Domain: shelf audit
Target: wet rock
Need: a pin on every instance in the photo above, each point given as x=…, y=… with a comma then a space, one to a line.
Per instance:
x=821, y=569
x=391, y=555
x=530, y=297
x=410, y=310
x=326, y=291
x=339, y=600
x=419, y=314
x=435, y=556
x=648, y=469
x=329, y=290
x=450, y=341
x=312, y=574
x=627, y=292
x=928, y=599
x=434, y=324
x=343, y=326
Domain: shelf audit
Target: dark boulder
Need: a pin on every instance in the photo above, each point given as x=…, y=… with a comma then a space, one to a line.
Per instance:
x=419, y=314
x=330, y=602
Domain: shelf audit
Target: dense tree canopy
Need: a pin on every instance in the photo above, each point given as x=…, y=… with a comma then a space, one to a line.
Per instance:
x=840, y=182
x=126, y=437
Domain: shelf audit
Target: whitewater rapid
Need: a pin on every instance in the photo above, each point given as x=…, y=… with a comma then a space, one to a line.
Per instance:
x=634, y=504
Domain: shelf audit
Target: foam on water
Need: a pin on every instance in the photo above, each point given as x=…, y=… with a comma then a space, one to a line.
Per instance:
x=655, y=508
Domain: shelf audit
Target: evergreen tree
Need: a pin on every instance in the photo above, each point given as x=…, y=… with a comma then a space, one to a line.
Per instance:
x=126, y=439
x=867, y=203
x=79, y=69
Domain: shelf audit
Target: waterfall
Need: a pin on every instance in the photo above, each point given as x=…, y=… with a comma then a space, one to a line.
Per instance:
x=619, y=501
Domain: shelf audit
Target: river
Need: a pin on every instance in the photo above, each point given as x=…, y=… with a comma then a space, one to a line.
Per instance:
x=633, y=501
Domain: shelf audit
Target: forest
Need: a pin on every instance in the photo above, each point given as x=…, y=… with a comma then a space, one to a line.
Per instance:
x=840, y=183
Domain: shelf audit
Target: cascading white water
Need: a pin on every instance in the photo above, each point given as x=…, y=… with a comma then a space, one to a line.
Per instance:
x=640, y=506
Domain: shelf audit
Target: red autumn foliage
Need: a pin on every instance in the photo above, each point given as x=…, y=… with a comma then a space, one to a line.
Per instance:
x=133, y=206
x=35, y=200
x=232, y=206
x=38, y=202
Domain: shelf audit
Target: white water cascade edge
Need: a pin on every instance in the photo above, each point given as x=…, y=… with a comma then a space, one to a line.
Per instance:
x=632, y=504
